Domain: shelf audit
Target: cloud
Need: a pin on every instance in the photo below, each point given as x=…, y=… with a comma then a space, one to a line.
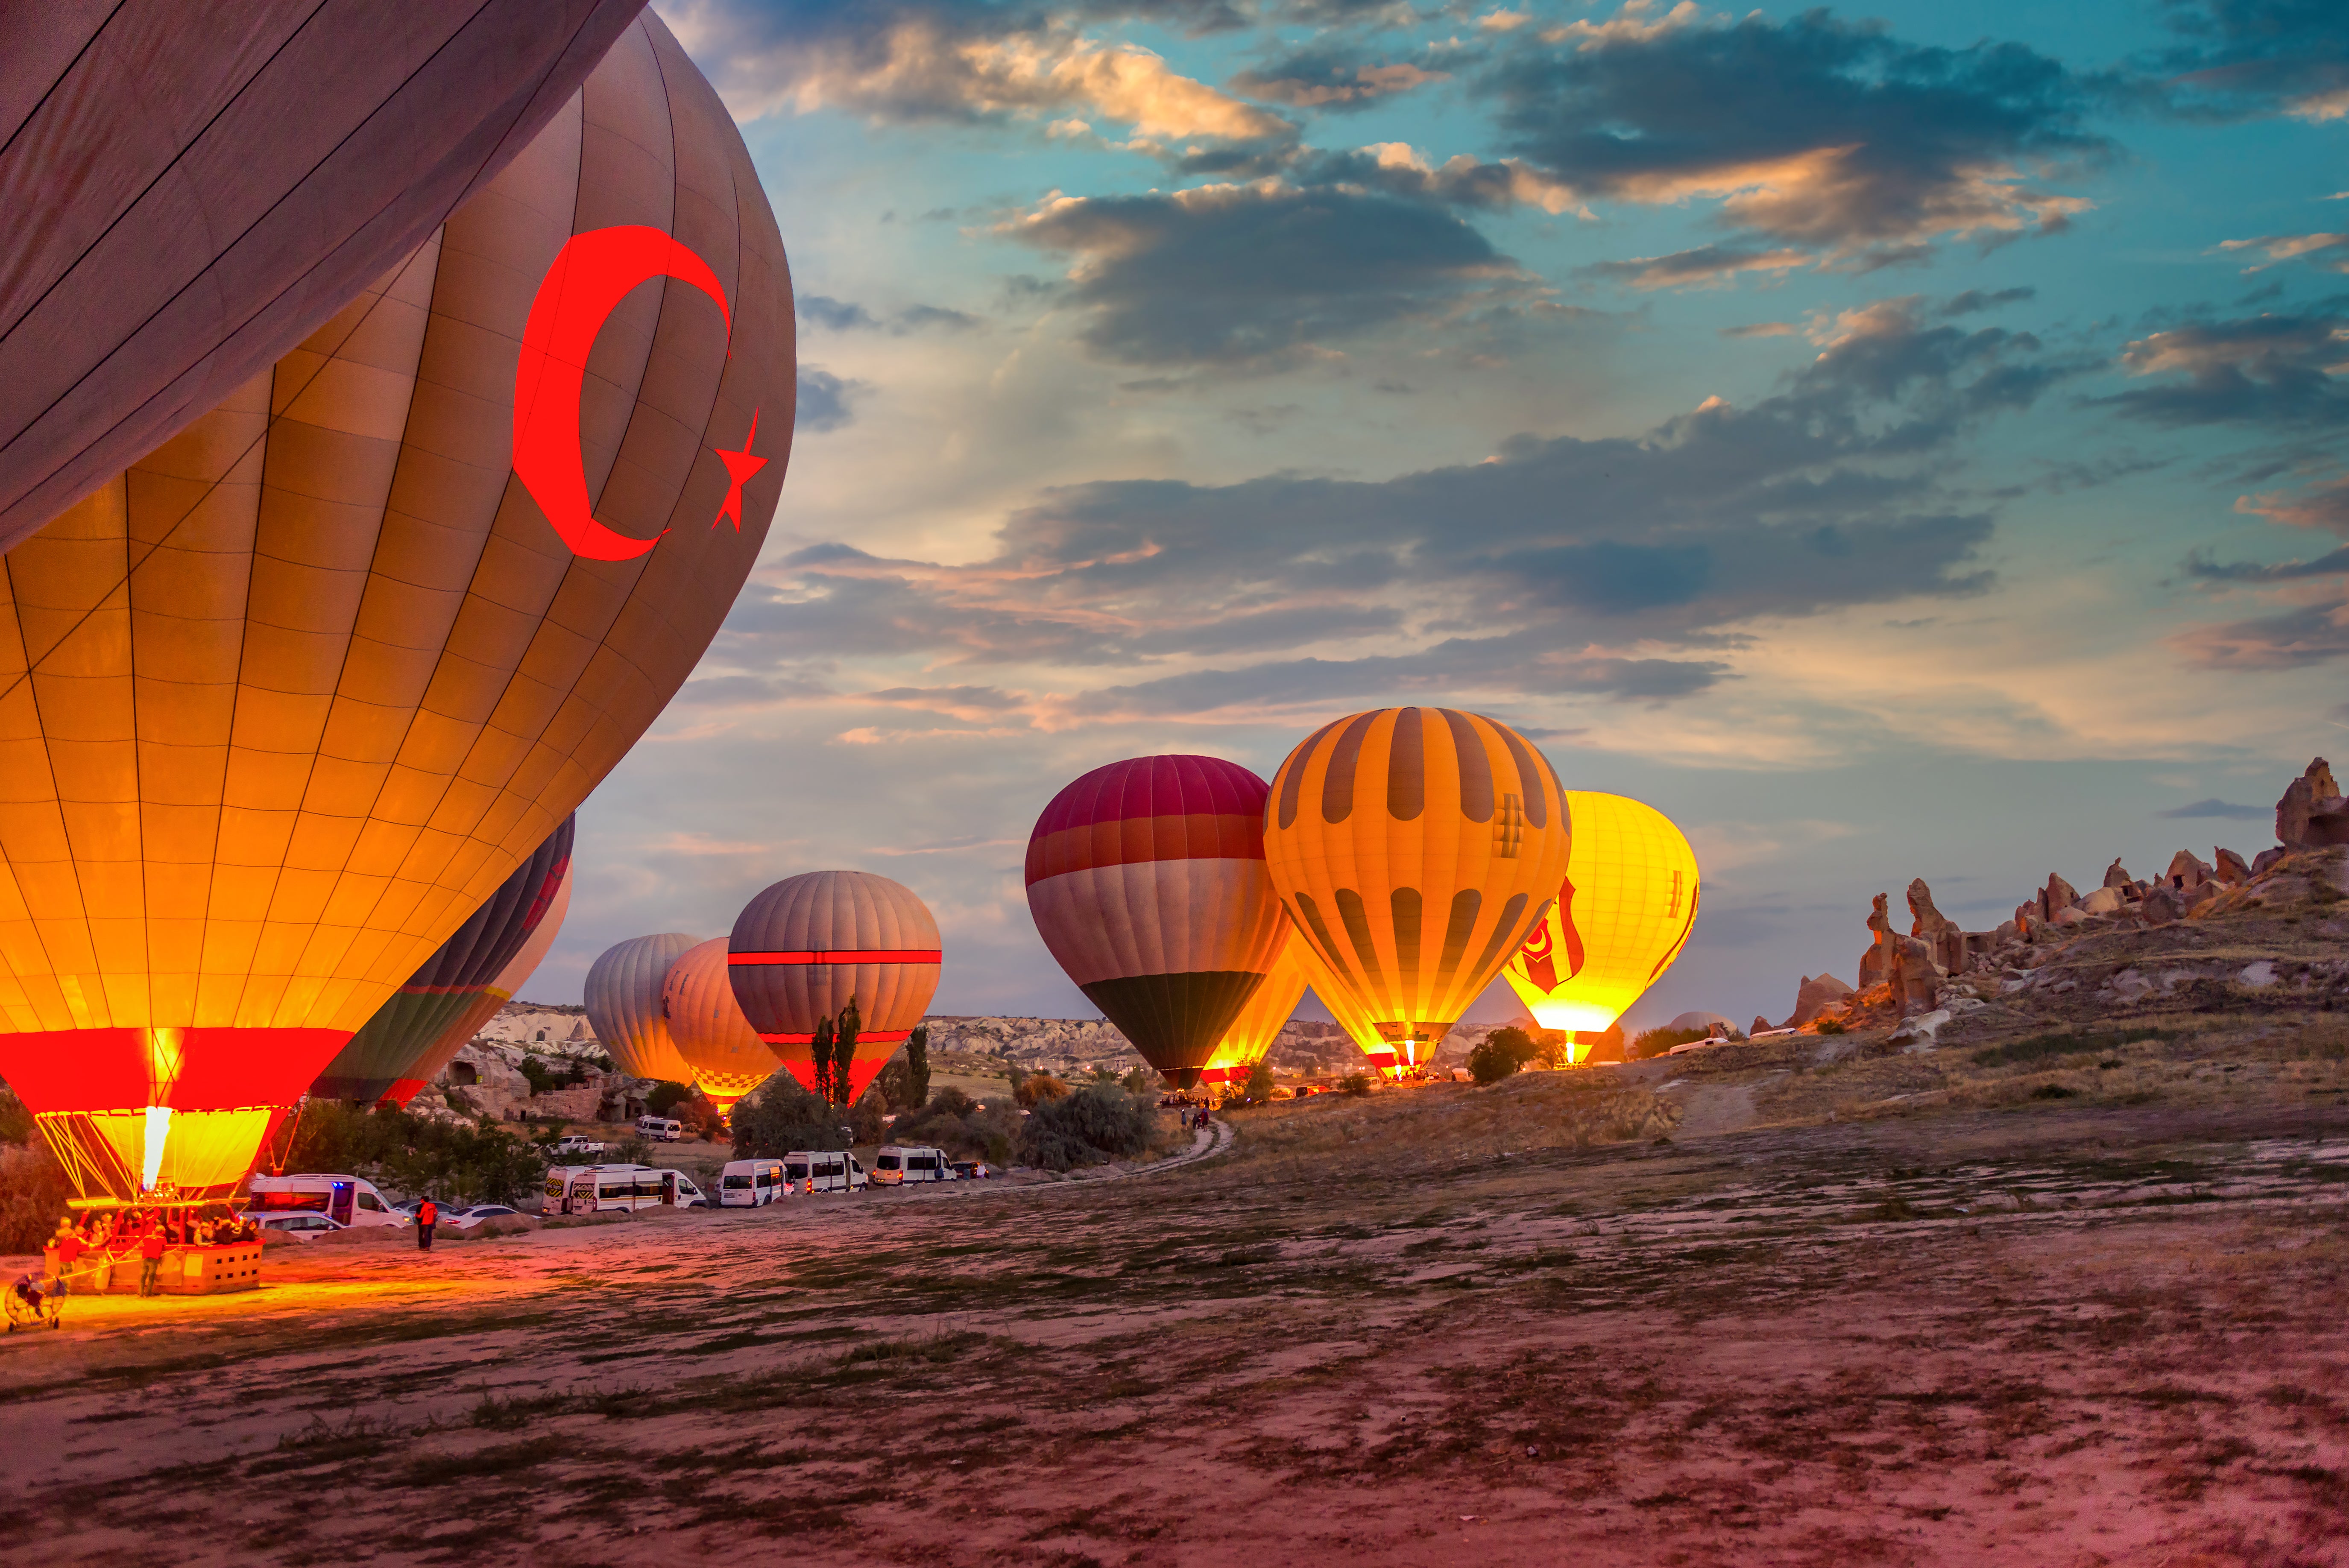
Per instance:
x=2324, y=506
x=914, y=62
x=1706, y=266
x=1623, y=568
x=2311, y=632
x=2327, y=251
x=1761, y=329
x=1974, y=299
x=1812, y=132
x=1402, y=169
x=842, y=315
x=1333, y=79
x=824, y=400
x=2263, y=369
x=1258, y=274
x=2239, y=58
x=2215, y=806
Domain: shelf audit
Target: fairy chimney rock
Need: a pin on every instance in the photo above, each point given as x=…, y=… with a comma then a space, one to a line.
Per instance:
x=2312, y=813
x=2114, y=876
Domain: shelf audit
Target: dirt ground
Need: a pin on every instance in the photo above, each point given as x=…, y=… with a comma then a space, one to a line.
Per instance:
x=1600, y=1318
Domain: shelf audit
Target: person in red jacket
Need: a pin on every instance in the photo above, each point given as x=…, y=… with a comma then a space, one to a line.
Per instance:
x=151, y=1259
x=427, y=1216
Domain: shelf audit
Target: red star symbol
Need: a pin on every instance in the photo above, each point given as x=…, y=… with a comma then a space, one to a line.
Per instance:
x=739, y=465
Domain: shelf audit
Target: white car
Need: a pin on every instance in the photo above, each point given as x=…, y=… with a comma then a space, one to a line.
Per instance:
x=301, y=1227
x=577, y=1144
x=466, y=1219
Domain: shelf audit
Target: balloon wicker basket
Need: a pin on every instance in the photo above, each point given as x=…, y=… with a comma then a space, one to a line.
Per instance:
x=187, y=1271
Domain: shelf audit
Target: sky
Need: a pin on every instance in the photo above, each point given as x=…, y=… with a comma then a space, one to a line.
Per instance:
x=1896, y=442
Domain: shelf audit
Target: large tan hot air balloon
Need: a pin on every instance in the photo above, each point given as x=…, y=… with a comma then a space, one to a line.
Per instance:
x=283, y=704
x=624, y=1006
x=1624, y=910
x=483, y=1006
x=192, y=190
x=1414, y=848
x=804, y=948
x=728, y=1057
x=1353, y=1016
x=1260, y=1021
x=1146, y=879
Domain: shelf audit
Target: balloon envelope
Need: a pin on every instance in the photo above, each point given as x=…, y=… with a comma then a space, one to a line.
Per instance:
x=1147, y=881
x=1414, y=848
x=1260, y=1020
x=459, y=1032
x=192, y=189
x=624, y=1006
x=1624, y=910
x=804, y=947
x=379, y=1061
x=284, y=704
x=728, y=1057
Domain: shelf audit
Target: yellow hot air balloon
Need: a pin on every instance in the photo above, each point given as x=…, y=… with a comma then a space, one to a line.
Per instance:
x=1415, y=848
x=1622, y=914
x=1352, y=1017
x=1268, y=1007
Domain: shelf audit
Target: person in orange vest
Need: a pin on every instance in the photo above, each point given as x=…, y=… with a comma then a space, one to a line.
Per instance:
x=151, y=1259
x=427, y=1216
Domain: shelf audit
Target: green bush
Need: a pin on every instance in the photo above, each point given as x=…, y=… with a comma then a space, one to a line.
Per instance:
x=666, y=1097
x=1089, y=1126
x=454, y=1161
x=1259, y=1081
x=1833, y=1026
x=1502, y=1053
x=2045, y=1047
x=1038, y=1089
x=1355, y=1083
x=1656, y=1042
x=780, y=1117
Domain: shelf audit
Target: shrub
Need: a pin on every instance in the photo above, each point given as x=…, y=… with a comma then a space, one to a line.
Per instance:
x=1087, y=1127
x=1259, y=1081
x=1656, y=1042
x=666, y=1097
x=1502, y=1053
x=1833, y=1026
x=33, y=1194
x=1040, y=1088
x=1144, y=1079
x=780, y=1117
x=2043, y=1047
x=1355, y=1083
x=952, y=1101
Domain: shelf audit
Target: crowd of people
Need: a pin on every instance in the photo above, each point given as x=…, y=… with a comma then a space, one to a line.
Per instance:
x=87, y=1249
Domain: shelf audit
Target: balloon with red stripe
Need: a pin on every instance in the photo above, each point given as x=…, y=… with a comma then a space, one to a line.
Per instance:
x=1147, y=881
x=804, y=947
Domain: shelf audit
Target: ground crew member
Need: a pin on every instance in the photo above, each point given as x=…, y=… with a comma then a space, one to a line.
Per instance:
x=151, y=1259
x=69, y=1247
x=427, y=1216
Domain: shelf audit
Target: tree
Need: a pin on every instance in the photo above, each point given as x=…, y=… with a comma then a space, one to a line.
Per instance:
x=917, y=1066
x=1144, y=1079
x=1041, y=1088
x=1259, y=1081
x=666, y=1097
x=1096, y=1123
x=895, y=1084
x=782, y=1116
x=844, y=1052
x=821, y=1049
x=1502, y=1053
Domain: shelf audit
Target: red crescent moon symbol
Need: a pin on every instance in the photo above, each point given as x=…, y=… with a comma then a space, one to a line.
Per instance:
x=593, y=272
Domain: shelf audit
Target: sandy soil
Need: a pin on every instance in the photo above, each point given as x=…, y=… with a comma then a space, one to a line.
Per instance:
x=1394, y=1331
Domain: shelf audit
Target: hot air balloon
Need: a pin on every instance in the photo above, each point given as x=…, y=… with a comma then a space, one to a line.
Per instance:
x=805, y=948
x=1353, y=1016
x=1146, y=880
x=1260, y=1020
x=624, y=1006
x=282, y=704
x=194, y=190
x=728, y=1057
x=386, y=1048
x=1414, y=848
x=459, y=1031
x=1624, y=912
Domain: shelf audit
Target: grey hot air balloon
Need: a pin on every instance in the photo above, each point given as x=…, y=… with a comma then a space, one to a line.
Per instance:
x=624, y=1006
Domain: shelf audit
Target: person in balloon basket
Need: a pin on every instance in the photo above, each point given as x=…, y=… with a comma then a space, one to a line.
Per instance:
x=67, y=1247
x=428, y=1215
x=151, y=1258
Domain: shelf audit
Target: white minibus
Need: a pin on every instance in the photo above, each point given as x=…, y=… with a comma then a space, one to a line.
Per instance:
x=824, y=1170
x=912, y=1163
x=589, y=1189
x=346, y=1200
x=748, y=1183
x=659, y=1129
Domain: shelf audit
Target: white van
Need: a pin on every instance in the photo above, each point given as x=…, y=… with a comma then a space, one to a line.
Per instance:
x=912, y=1163
x=659, y=1129
x=749, y=1184
x=824, y=1170
x=346, y=1200
x=590, y=1189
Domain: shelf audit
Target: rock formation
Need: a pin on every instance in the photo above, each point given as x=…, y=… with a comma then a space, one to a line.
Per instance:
x=1915, y=978
x=2056, y=897
x=1815, y=993
x=1874, y=962
x=1936, y=930
x=2312, y=814
x=2186, y=870
x=2114, y=876
x=2229, y=867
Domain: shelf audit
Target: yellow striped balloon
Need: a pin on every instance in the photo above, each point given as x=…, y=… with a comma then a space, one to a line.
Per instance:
x=1414, y=849
x=1267, y=1009
x=1624, y=912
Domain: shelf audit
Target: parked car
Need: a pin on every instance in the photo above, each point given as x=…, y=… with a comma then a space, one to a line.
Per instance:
x=972, y=1170
x=305, y=1226
x=897, y=1163
x=466, y=1219
x=579, y=1143
x=346, y=1200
